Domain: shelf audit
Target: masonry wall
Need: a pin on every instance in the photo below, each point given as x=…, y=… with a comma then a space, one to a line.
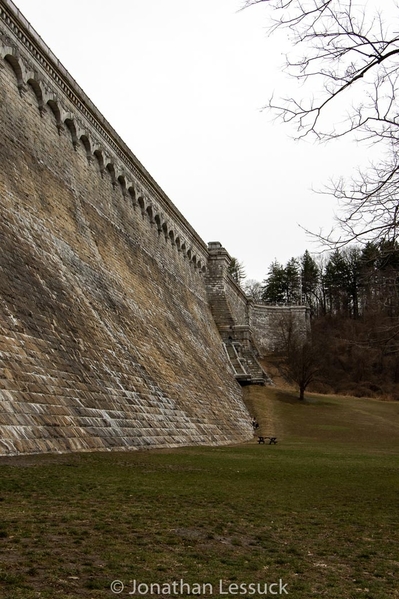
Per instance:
x=266, y=322
x=228, y=301
x=237, y=301
x=106, y=336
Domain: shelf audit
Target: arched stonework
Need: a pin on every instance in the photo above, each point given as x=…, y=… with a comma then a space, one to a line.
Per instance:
x=110, y=168
x=71, y=127
x=141, y=204
x=98, y=154
x=114, y=314
x=79, y=118
x=132, y=194
x=35, y=85
x=55, y=109
x=85, y=139
x=13, y=60
x=165, y=230
x=150, y=214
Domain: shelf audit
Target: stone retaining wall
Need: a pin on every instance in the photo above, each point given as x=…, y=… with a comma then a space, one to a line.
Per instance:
x=267, y=322
x=107, y=340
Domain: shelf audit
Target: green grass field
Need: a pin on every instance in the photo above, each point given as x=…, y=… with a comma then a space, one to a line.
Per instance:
x=318, y=512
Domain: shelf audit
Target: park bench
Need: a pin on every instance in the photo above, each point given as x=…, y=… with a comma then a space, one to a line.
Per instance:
x=272, y=440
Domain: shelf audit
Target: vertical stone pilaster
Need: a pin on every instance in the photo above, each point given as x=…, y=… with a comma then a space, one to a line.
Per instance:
x=230, y=308
x=216, y=281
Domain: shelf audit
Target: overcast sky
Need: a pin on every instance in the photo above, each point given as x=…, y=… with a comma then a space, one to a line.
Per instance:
x=183, y=82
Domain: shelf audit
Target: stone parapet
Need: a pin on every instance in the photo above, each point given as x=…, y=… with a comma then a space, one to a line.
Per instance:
x=267, y=323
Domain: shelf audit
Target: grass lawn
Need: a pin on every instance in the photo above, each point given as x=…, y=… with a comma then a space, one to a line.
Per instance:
x=318, y=511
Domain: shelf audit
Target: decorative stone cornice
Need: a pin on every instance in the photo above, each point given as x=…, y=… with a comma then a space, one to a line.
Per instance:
x=34, y=64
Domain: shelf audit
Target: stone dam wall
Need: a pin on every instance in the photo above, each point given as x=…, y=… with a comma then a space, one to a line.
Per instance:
x=119, y=327
x=107, y=340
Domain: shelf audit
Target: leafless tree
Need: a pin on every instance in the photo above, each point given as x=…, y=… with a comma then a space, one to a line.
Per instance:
x=299, y=359
x=254, y=290
x=237, y=270
x=345, y=56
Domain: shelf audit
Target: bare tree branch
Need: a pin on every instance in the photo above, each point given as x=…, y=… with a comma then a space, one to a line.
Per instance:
x=345, y=55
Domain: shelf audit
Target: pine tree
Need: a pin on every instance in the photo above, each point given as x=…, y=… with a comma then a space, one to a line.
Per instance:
x=310, y=279
x=274, y=285
x=237, y=270
x=292, y=282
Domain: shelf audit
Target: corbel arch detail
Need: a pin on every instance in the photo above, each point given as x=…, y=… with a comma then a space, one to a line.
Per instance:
x=52, y=103
x=158, y=222
x=12, y=58
x=141, y=204
x=150, y=213
x=110, y=168
x=99, y=155
x=132, y=193
x=165, y=230
x=122, y=183
x=87, y=144
x=48, y=88
x=70, y=124
x=36, y=85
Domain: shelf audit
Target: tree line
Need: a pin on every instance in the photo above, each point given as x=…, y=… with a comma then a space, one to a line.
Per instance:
x=349, y=282
x=353, y=299
x=344, y=64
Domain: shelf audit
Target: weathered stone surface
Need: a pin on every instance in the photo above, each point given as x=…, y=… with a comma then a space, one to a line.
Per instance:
x=254, y=329
x=266, y=324
x=119, y=327
x=106, y=336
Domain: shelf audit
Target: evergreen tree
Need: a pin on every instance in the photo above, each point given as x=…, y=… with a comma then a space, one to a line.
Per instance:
x=292, y=282
x=353, y=258
x=274, y=284
x=354, y=298
x=282, y=284
x=383, y=278
x=310, y=279
x=336, y=281
x=237, y=270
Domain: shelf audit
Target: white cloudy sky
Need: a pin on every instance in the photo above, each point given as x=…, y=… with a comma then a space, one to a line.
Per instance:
x=183, y=83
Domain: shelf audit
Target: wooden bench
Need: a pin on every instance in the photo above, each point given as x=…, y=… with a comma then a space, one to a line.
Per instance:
x=272, y=440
